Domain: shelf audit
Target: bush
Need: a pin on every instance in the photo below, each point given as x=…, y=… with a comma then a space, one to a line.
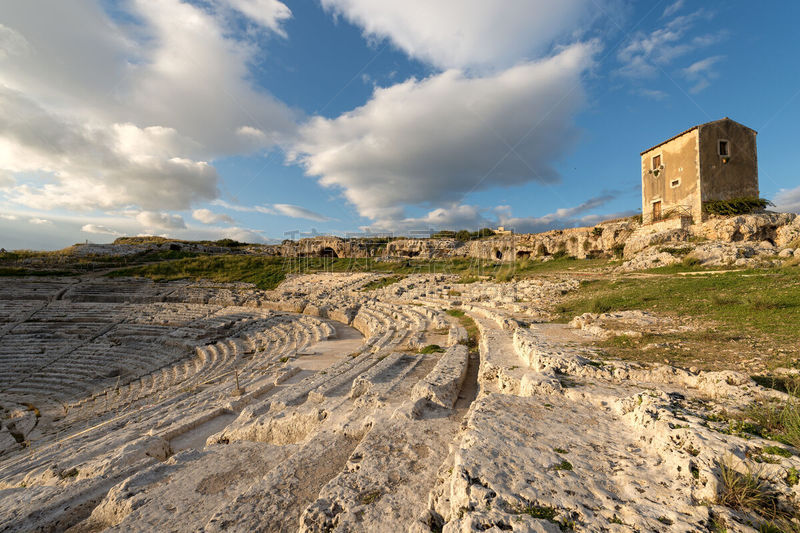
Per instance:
x=431, y=348
x=597, y=231
x=747, y=491
x=735, y=206
x=618, y=249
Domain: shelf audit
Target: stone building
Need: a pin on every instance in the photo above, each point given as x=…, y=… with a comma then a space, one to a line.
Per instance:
x=712, y=161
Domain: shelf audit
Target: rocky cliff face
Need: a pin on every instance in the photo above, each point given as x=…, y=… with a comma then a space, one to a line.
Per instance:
x=773, y=232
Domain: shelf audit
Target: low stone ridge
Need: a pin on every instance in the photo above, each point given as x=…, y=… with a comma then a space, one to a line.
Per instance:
x=129, y=405
x=738, y=240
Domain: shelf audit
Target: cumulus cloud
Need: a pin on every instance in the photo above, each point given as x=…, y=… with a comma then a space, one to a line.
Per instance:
x=100, y=230
x=431, y=141
x=150, y=219
x=107, y=111
x=207, y=216
x=39, y=221
x=6, y=179
x=788, y=200
x=97, y=167
x=469, y=33
x=267, y=13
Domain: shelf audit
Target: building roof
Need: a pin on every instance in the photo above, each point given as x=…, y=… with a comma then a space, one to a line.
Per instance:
x=692, y=129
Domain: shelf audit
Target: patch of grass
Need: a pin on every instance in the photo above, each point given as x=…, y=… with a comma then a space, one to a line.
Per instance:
x=381, y=283
x=776, y=450
x=283, y=359
x=762, y=305
x=16, y=272
x=676, y=251
x=563, y=465
x=665, y=520
x=371, y=497
x=792, y=476
x=780, y=422
x=538, y=511
x=787, y=384
x=458, y=313
x=560, y=450
x=431, y=348
x=747, y=491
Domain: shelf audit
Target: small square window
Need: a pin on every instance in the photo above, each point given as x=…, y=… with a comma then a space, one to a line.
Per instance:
x=675, y=183
x=656, y=161
x=724, y=148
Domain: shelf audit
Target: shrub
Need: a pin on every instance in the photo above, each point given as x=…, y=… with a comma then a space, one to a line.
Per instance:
x=691, y=261
x=618, y=249
x=736, y=206
x=677, y=252
x=431, y=348
x=597, y=231
x=746, y=491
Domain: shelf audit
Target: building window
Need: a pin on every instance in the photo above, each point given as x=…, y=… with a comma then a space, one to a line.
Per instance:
x=724, y=148
x=675, y=183
x=656, y=161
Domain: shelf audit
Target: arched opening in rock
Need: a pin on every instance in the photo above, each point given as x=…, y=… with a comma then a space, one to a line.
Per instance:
x=523, y=254
x=328, y=252
x=498, y=254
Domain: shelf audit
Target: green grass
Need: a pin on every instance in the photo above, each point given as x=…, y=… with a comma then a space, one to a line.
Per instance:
x=748, y=491
x=268, y=272
x=777, y=450
x=776, y=421
x=563, y=465
x=381, y=283
x=763, y=301
x=473, y=335
x=16, y=272
x=431, y=348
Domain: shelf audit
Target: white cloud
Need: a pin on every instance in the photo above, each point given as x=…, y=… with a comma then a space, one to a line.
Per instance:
x=289, y=210
x=6, y=179
x=267, y=13
x=673, y=8
x=469, y=33
x=39, y=221
x=97, y=166
x=295, y=211
x=453, y=217
x=151, y=219
x=242, y=235
x=472, y=217
x=100, y=230
x=648, y=52
x=8, y=217
x=431, y=141
x=701, y=73
x=107, y=111
x=788, y=200
x=207, y=216
x=564, y=217
x=654, y=94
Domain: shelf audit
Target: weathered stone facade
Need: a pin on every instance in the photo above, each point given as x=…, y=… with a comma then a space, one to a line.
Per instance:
x=712, y=161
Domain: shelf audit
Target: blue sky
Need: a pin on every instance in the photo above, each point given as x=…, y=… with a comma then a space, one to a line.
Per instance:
x=254, y=119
